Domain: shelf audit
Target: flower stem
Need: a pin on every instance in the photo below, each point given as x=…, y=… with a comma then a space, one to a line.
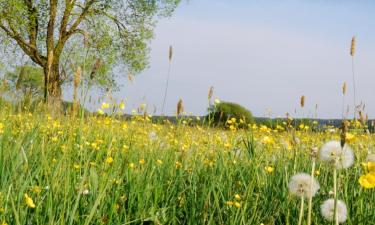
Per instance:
x=301, y=211
x=310, y=197
x=335, y=195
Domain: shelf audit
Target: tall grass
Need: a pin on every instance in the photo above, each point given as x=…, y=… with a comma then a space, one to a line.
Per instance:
x=107, y=171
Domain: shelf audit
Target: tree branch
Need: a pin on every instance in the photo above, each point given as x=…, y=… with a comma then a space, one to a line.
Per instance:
x=33, y=23
x=81, y=17
x=30, y=50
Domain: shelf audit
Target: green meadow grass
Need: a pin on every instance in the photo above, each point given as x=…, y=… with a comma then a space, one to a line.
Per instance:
x=106, y=171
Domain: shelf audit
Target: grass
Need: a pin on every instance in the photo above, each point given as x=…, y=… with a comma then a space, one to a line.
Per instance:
x=107, y=171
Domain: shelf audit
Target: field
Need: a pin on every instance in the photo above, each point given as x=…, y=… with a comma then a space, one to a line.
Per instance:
x=103, y=170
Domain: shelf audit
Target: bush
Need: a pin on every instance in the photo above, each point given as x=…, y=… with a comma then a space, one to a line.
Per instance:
x=219, y=114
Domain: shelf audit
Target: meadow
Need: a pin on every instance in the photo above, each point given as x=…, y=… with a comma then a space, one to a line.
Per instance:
x=106, y=170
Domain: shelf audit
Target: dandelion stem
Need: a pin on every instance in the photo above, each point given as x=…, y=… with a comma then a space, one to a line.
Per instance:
x=310, y=197
x=335, y=195
x=301, y=211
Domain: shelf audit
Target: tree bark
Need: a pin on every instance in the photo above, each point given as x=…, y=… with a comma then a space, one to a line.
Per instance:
x=53, y=86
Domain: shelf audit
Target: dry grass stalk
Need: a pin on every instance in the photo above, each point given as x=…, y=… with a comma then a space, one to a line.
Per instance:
x=302, y=101
x=210, y=93
x=77, y=81
x=344, y=88
x=180, y=107
x=170, y=53
x=353, y=46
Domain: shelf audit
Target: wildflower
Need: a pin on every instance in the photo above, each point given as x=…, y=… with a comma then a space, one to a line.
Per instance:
x=267, y=140
x=29, y=201
x=122, y=105
x=269, y=169
x=105, y=105
x=237, y=204
x=230, y=203
x=85, y=192
x=131, y=165
x=4, y=223
x=142, y=161
x=100, y=112
x=303, y=185
x=327, y=210
x=349, y=137
x=367, y=180
x=369, y=166
x=237, y=197
x=109, y=160
x=178, y=164
x=342, y=158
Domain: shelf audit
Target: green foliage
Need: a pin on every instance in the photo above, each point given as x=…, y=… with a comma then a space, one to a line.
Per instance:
x=220, y=113
x=26, y=79
x=117, y=32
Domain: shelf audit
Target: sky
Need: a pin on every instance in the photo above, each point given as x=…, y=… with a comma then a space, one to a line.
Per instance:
x=262, y=54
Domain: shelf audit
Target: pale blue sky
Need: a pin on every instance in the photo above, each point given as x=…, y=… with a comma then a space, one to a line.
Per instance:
x=262, y=54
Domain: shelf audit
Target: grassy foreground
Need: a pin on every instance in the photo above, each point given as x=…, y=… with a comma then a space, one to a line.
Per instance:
x=106, y=171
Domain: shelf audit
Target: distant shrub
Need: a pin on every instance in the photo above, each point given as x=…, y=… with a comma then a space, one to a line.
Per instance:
x=219, y=114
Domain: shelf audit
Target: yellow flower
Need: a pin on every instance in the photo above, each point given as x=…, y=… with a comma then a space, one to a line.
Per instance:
x=4, y=223
x=369, y=166
x=368, y=180
x=29, y=201
x=269, y=169
x=349, y=137
x=237, y=204
x=109, y=160
x=105, y=105
x=36, y=190
x=142, y=161
x=122, y=105
x=237, y=197
x=101, y=112
x=230, y=203
x=159, y=162
x=267, y=140
x=131, y=165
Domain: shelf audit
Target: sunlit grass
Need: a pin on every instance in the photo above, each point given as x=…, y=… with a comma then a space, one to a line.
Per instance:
x=109, y=171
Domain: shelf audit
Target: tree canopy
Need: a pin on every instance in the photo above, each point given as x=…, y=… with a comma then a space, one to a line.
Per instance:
x=60, y=35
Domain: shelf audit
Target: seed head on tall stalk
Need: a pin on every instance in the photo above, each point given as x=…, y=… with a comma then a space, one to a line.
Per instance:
x=170, y=56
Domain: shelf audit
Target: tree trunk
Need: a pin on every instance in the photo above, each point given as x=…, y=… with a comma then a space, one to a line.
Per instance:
x=53, y=92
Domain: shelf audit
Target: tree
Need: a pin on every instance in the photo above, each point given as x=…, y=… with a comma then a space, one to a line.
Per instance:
x=49, y=32
x=25, y=83
x=28, y=80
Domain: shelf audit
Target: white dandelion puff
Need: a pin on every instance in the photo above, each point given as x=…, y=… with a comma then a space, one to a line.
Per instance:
x=303, y=185
x=328, y=210
x=332, y=152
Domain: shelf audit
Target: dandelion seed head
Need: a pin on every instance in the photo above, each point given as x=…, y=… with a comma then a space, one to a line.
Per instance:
x=332, y=152
x=328, y=207
x=303, y=185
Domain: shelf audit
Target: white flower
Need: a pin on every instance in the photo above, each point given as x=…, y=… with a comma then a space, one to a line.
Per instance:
x=327, y=210
x=85, y=192
x=332, y=152
x=153, y=136
x=303, y=185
